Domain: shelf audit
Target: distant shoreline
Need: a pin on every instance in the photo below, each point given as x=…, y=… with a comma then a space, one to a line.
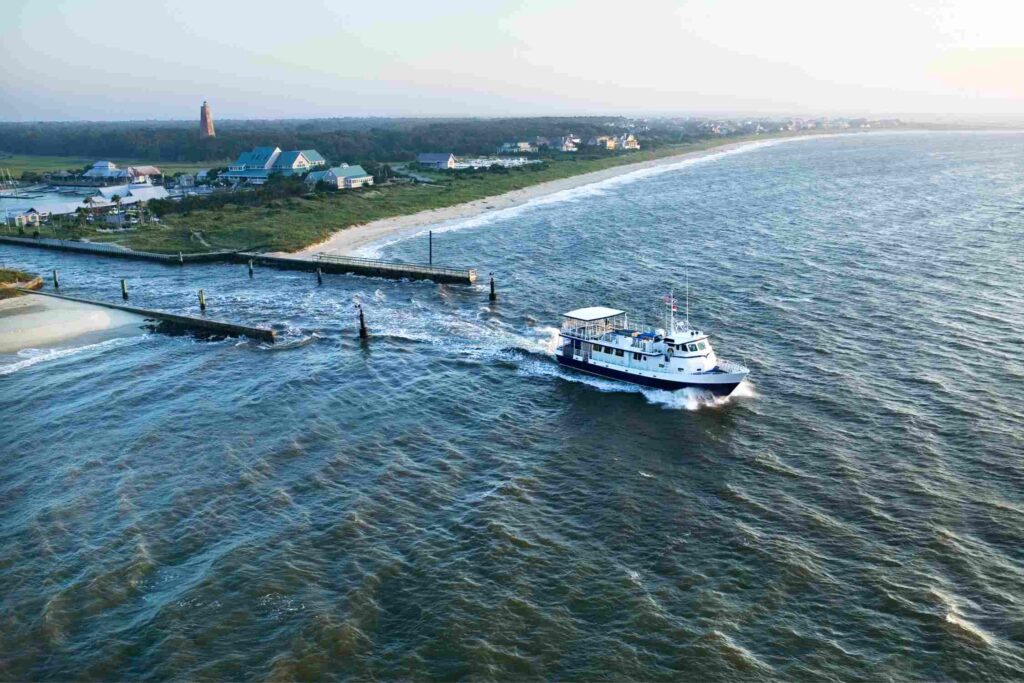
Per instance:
x=351, y=240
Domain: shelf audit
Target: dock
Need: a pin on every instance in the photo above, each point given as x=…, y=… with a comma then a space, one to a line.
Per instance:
x=326, y=263
x=114, y=251
x=186, y=322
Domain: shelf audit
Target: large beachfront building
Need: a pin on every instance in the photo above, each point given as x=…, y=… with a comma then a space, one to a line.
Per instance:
x=342, y=177
x=256, y=165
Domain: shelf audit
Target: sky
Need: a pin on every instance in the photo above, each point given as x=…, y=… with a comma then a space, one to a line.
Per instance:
x=104, y=60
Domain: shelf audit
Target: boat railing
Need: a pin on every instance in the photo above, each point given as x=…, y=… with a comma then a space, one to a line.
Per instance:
x=731, y=366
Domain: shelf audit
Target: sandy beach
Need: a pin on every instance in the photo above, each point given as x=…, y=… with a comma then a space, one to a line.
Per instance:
x=352, y=239
x=32, y=321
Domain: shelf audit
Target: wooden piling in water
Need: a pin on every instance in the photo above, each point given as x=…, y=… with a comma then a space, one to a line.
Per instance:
x=124, y=289
x=56, y=279
x=363, y=333
x=319, y=276
x=181, y=259
x=250, y=268
x=202, y=300
x=494, y=295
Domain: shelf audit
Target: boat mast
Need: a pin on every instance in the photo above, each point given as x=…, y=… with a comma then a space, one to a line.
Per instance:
x=687, y=299
x=672, y=311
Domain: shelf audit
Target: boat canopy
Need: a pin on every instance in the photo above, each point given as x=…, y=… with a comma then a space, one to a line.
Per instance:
x=593, y=322
x=593, y=313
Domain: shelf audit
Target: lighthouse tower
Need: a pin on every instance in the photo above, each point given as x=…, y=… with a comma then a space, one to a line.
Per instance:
x=205, y=122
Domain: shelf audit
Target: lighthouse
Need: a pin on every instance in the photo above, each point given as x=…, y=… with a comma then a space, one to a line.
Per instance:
x=205, y=122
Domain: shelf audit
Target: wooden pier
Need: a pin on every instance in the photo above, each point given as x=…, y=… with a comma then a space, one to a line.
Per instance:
x=186, y=322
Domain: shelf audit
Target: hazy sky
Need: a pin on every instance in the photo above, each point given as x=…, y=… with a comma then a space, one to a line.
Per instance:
x=298, y=58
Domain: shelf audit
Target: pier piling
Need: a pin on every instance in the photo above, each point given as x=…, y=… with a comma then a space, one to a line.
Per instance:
x=494, y=295
x=430, y=236
x=363, y=334
x=181, y=259
x=202, y=300
x=124, y=289
x=56, y=279
x=250, y=268
x=319, y=276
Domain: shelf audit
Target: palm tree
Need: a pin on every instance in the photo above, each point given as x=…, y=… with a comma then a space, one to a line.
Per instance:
x=116, y=199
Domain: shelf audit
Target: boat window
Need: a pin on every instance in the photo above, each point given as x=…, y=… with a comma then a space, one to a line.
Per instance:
x=700, y=345
x=638, y=356
x=693, y=347
x=681, y=347
x=618, y=352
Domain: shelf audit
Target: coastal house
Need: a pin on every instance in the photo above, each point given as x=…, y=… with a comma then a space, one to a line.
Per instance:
x=342, y=177
x=606, y=141
x=564, y=144
x=436, y=160
x=629, y=141
x=520, y=147
x=256, y=166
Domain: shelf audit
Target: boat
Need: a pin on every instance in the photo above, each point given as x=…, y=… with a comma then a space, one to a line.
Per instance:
x=600, y=341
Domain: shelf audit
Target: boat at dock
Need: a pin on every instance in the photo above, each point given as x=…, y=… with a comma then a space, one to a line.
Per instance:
x=600, y=341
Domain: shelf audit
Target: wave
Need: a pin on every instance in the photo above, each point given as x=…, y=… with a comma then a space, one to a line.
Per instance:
x=30, y=357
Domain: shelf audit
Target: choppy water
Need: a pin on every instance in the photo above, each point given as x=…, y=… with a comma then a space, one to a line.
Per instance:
x=446, y=502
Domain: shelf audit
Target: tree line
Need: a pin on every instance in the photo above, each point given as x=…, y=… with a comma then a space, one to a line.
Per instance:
x=339, y=140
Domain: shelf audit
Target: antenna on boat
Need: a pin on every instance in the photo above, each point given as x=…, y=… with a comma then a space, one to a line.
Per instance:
x=687, y=298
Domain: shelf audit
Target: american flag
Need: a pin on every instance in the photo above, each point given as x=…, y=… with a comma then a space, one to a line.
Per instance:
x=671, y=299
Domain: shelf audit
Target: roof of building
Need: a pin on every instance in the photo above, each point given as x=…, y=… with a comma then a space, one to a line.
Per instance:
x=349, y=172
x=144, y=194
x=287, y=159
x=258, y=156
x=121, y=191
x=317, y=176
x=145, y=170
x=592, y=313
x=434, y=157
x=313, y=156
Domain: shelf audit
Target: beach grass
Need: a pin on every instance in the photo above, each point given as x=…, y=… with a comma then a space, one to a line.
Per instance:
x=10, y=277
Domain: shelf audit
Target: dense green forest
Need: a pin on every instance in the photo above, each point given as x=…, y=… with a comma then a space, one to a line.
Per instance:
x=340, y=140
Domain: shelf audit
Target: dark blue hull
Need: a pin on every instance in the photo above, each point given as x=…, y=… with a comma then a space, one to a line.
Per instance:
x=655, y=382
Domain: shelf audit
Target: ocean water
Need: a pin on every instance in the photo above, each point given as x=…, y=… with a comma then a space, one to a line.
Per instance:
x=446, y=502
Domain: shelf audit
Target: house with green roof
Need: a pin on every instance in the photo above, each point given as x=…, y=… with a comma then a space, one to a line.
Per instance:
x=342, y=177
x=256, y=166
